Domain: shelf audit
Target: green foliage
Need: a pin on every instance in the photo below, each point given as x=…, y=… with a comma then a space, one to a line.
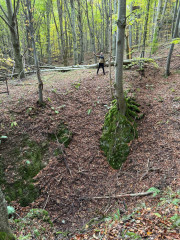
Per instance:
x=10, y=210
x=176, y=220
x=118, y=131
x=27, y=161
x=154, y=190
x=6, y=236
x=77, y=85
x=89, y=111
x=175, y=41
x=39, y=214
x=63, y=135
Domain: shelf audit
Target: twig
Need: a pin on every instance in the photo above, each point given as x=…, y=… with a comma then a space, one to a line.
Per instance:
x=121, y=195
x=63, y=155
x=147, y=170
x=46, y=202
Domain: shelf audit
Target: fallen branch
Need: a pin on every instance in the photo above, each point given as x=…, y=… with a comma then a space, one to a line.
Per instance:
x=81, y=67
x=121, y=195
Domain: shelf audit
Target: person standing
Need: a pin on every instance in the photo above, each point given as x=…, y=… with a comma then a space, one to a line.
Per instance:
x=101, y=62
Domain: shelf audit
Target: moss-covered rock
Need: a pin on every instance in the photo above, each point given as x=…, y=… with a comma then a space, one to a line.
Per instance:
x=27, y=161
x=118, y=131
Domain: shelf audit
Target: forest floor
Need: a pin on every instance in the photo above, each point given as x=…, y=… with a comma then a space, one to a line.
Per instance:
x=81, y=99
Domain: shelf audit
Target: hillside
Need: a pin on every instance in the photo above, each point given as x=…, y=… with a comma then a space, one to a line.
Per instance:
x=69, y=177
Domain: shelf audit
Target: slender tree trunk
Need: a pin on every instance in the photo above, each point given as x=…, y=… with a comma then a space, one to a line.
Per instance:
x=91, y=32
x=80, y=24
x=107, y=26
x=48, y=10
x=72, y=19
x=159, y=24
x=12, y=23
x=119, y=56
x=5, y=232
x=57, y=30
x=174, y=18
x=110, y=49
x=31, y=31
x=172, y=45
x=63, y=48
x=130, y=34
x=145, y=29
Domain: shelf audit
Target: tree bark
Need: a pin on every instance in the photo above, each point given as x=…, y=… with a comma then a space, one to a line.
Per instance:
x=172, y=45
x=5, y=232
x=31, y=31
x=80, y=25
x=72, y=19
x=145, y=29
x=11, y=22
x=63, y=48
x=121, y=23
x=91, y=32
x=159, y=24
x=48, y=11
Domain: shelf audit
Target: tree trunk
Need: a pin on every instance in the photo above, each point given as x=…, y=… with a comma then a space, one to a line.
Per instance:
x=5, y=232
x=159, y=24
x=31, y=30
x=145, y=29
x=174, y=17
x=110, y=49
x=72, y=20
x=63, y=48
x=80, y=24
x=172, y=45
x=91, y=30
x=48, y=10
x=15, y=39
x=121, y=23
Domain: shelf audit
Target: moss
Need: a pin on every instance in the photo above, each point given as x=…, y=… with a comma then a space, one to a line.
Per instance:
x=118, y=131
x=6, y=236
x=27, y=162
x=63, y=135
x=40, y=214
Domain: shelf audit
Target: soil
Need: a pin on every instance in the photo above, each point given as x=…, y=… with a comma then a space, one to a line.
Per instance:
x=81, y=99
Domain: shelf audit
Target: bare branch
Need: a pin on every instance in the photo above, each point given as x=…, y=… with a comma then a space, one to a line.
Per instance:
x=122, y=195
x=6, y=22
x=4, y=12
x=16, y=8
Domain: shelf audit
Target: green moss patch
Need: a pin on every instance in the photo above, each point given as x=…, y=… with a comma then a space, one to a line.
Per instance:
x=6, y=236
x=118, y=131
x=26, y=162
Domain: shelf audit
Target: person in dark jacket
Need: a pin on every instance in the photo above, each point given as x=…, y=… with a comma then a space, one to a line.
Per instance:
x=101, y=62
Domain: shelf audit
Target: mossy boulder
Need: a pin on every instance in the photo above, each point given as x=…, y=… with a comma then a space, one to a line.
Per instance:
x=118, y=131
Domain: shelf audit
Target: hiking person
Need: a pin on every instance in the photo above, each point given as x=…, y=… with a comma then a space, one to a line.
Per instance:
x=101, y=62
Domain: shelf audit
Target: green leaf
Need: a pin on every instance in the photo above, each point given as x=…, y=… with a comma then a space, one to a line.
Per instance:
x=89, y=111
x=176, y=201
x=56, y=112
x=155, y=190
x=158, y=215
x=10, y=210
x=3, y=137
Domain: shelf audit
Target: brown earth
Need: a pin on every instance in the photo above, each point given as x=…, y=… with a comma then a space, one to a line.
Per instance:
x=153, y=160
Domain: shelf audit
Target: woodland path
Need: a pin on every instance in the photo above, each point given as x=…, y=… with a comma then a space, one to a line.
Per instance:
x=154, y=156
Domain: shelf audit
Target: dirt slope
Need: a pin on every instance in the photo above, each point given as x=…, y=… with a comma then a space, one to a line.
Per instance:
x=154, y=156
